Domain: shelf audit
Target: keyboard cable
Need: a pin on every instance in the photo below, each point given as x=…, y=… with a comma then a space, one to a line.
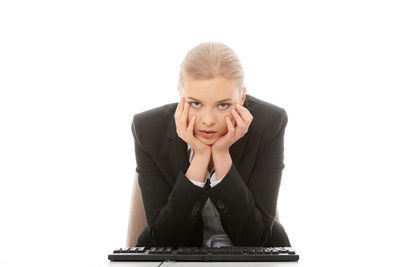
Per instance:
x=164, y=261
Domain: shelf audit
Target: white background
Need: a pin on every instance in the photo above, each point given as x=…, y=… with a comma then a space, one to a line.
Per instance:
x=73, y=73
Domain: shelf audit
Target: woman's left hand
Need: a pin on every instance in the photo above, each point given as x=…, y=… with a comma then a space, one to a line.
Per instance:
x=243, y=119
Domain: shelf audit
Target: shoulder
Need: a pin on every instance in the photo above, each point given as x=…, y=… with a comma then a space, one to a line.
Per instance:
x=150, y=127
x=268, y=119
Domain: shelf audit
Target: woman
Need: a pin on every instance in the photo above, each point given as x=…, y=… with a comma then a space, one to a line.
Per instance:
x=210, y=167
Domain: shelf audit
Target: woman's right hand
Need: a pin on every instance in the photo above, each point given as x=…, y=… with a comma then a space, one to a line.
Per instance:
x=185, y=131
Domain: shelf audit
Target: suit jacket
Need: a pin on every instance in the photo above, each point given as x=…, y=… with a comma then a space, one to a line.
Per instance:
x=246, y=198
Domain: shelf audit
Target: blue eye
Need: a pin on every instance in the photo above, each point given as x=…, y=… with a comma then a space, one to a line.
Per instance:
x=194, y=103
x=226, y=106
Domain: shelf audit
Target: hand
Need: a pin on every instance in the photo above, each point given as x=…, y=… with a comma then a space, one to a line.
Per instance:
x=243, y=119
x=185, y=132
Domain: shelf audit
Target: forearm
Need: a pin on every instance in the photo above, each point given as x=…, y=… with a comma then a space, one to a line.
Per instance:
x=245, y=223
x=198, y=167
x=176, y=223
x=222, y=163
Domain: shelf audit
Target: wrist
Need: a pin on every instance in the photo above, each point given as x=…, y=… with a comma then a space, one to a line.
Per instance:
x=198, y=167
x=204, y=154
x=219, y=152
x=222, y=163
x=202, y=158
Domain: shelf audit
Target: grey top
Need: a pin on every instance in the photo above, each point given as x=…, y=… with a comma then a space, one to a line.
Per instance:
x=213, y=232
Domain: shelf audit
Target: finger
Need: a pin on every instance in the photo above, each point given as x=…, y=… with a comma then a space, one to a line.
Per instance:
x=191, y=126
x=181, y=121
x=180, y=104
x=239, y=120
x=244, y=113
x=251, y=115
x=248, y=113
x=179, y=108
x=231, y=129
x=184, y=116
x=242, y=126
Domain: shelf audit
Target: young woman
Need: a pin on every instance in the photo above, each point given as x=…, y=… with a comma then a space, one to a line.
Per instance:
x=210, y=166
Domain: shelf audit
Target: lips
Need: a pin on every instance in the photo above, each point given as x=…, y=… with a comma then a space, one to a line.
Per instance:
x=204, y=131
x=207, y=134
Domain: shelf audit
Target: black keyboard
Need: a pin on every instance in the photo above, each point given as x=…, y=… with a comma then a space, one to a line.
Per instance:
x=204, y=254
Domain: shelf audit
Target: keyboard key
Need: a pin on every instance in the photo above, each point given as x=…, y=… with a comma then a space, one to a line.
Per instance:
x=259, y=250
x=160, y=250
x=252, y=250
x=117, y=250
x=275, y=251
x=133, y=249
x=152, y=250
x=125, y=250
x=140, y=250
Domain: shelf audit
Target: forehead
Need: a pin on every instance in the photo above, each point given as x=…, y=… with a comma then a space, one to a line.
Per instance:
x=211, y=90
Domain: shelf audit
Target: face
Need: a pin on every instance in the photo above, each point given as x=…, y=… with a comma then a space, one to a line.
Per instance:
x=211, y=101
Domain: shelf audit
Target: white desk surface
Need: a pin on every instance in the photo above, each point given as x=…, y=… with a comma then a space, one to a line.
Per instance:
x=327, y=259
x=309, y=257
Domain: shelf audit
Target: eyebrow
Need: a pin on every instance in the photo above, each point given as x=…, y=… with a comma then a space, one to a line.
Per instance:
x=223, y=100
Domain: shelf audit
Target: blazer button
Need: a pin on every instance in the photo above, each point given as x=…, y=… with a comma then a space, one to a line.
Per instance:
x=197, y=206
x=195, y=209
x=220, y=204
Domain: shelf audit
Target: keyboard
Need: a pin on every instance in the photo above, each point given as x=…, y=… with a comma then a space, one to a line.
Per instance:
x=204, y=254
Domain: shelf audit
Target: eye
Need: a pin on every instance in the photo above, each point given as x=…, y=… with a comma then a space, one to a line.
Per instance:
x=225, y=107
x=194, y=105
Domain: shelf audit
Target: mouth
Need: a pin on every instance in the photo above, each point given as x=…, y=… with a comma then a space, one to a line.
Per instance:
x=207, y=134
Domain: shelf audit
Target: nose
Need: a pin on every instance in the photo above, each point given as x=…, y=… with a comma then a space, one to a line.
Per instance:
x=208, y=118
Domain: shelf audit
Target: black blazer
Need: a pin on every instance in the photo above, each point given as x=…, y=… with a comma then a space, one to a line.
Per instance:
x=246, y=198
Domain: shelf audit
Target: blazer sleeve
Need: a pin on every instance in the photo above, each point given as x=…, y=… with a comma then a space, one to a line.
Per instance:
x=247, y=212
x=172, y=214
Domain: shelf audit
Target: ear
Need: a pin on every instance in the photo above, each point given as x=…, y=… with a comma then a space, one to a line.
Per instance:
x=243, y=96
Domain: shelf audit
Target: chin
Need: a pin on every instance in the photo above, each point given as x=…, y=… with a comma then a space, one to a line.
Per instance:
x=209, y=141
x=205, y=140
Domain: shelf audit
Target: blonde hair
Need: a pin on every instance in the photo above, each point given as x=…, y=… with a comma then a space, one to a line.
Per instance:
x=209, y=60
